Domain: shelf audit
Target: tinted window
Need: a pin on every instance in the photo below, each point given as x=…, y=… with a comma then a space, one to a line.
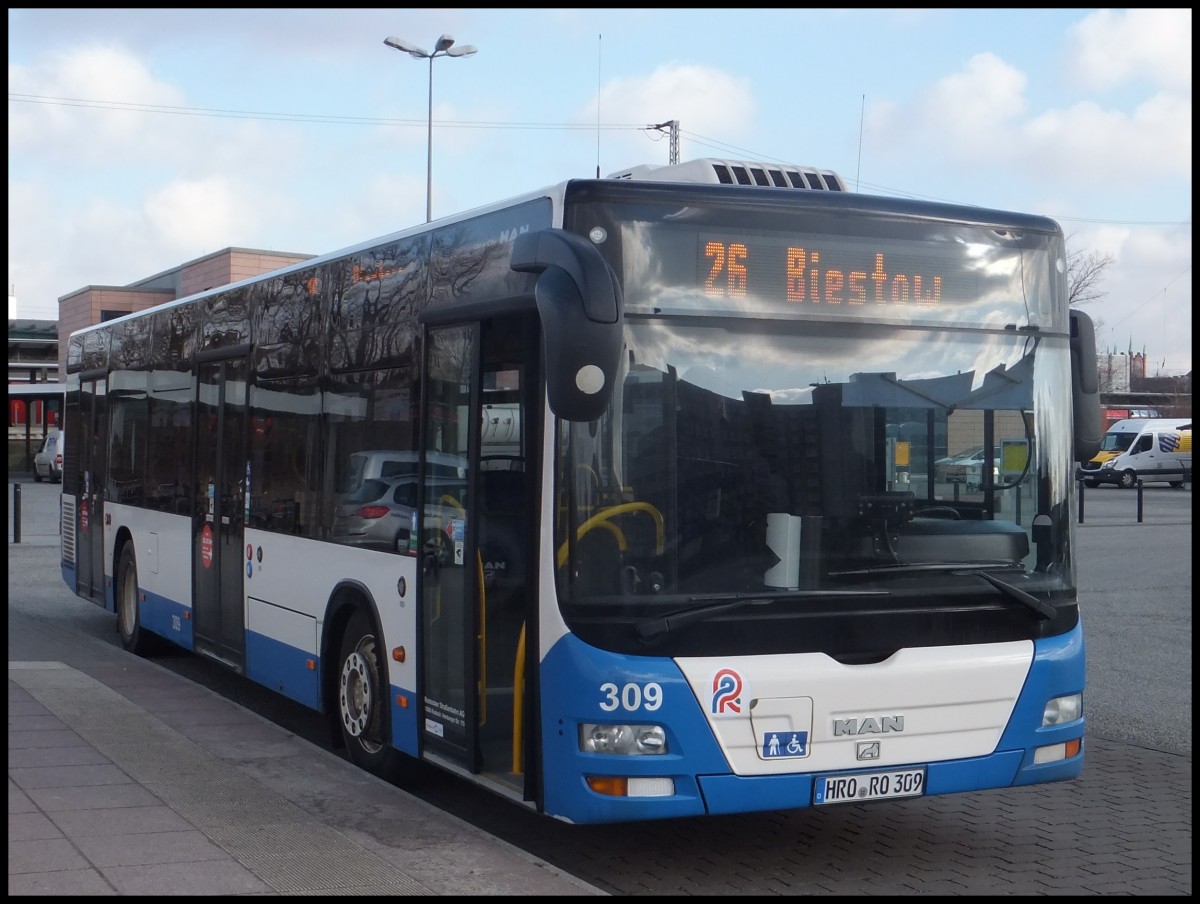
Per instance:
x=285, y=447
x=369, y=491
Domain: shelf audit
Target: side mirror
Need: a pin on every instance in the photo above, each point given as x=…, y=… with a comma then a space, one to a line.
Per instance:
x=579, y=303
x=1085, y=388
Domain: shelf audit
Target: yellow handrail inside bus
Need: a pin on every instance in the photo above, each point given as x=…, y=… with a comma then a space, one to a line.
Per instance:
x=518, y=702
x=622, y=543
x=601, y=519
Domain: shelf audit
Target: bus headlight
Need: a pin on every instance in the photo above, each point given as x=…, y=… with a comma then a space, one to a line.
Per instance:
x=1062, y=709
x=627, y=740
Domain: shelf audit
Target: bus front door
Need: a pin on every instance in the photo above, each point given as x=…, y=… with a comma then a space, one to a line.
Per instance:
x=448, y=560
x=218, y=516
x=478, y=545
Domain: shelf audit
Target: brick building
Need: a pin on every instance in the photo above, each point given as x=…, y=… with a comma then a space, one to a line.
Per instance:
x=95, y=304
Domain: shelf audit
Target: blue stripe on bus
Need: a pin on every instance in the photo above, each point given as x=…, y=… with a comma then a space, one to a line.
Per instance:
x=404, y=720
x=68, y=574
x=167, y=618
x=283, y=668
x=1058, y=669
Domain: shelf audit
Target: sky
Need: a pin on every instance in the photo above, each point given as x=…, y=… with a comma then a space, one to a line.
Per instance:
x=141, y=139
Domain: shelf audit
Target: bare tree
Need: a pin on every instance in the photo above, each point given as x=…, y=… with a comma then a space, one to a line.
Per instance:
x=1085, y=272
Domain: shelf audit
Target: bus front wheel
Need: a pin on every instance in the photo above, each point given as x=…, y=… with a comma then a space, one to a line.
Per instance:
x=362, y=700
x=1128, y=479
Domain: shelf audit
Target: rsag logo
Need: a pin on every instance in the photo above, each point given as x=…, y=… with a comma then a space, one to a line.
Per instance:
x=726, y=693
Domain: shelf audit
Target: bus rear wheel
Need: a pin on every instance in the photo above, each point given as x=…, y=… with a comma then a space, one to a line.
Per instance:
x=362, y=699
x=134, y=637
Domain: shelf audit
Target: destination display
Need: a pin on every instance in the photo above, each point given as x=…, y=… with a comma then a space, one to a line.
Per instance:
x=833, y=271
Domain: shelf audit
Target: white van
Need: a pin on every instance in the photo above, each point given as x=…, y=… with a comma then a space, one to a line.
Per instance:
x=1153, y=450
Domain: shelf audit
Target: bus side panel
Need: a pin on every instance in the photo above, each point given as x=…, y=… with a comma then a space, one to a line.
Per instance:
x=168, y=618
x=163, y=554
x=282, y=651
x=290, y=582
x=580, y=684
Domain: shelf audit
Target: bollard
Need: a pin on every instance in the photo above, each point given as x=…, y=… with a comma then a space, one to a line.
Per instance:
x=1139, y=497
x=1080, y=501
x=16, y=513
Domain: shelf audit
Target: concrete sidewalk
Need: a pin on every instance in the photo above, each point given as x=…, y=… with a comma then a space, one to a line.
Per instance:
x=127, y=780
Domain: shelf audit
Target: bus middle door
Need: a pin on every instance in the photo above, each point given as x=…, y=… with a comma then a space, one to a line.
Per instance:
x=92, y=463
x=218, y=517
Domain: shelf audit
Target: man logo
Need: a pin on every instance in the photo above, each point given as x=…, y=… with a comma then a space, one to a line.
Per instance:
x=869, y=725
x=867, y=750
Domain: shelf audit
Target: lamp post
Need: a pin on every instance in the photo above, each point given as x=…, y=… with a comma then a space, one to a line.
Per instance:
x=444, y=47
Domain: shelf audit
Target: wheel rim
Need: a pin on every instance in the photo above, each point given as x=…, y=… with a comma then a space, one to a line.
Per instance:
x=356, y=692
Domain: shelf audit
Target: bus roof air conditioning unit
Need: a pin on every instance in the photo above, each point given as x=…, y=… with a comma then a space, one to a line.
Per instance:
x=737, y=172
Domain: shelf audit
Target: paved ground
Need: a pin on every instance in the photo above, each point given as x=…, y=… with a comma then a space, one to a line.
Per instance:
x=124, y=779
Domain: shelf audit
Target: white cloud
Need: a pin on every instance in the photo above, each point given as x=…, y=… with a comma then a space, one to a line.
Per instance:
x=1090, y=144
x=82, y=132
x=1146, y=291
x=705, y=100
x=968, y=116
x=208, y=213
x=979, y=116
x=1113, y=46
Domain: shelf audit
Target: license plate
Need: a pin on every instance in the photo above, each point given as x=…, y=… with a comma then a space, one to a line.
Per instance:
x=842, y=789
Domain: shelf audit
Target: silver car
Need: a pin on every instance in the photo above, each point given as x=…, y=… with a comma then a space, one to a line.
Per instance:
x=967, y=468
x=48, y=463
x=380, y=514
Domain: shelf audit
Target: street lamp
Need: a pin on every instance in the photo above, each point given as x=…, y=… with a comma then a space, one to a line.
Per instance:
x=444, y=47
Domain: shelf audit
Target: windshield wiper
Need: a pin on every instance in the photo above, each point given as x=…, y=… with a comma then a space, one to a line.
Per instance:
x=652, y=626
x=975, y=569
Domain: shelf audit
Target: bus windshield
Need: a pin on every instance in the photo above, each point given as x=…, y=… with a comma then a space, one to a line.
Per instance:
x=778, y=433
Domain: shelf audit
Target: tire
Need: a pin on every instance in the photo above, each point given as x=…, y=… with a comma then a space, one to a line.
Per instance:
x=134, y=638
x=1091, y=484
x=1128, y=480
x=37, y=475
x=362, y=702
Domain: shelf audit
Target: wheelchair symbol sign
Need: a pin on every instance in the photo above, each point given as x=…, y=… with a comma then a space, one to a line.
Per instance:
x=776, y=744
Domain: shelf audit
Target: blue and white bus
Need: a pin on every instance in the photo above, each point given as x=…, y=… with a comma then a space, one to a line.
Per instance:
x=619, y=498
